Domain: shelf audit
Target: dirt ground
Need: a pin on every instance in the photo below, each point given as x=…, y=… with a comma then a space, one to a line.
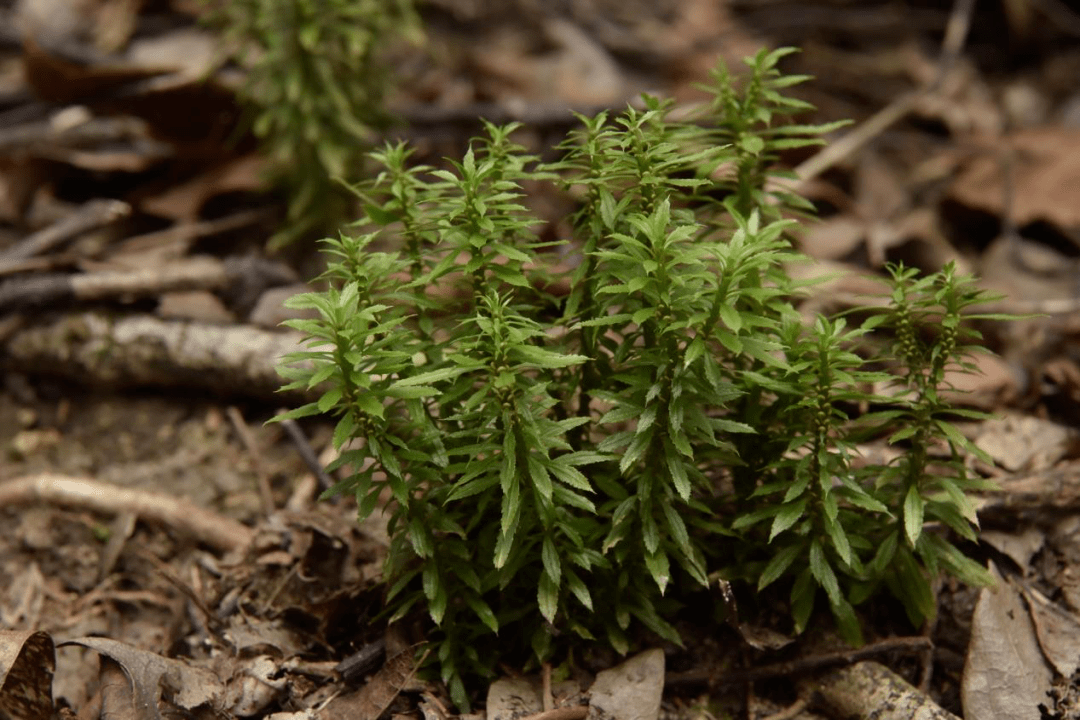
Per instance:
x=162, y=539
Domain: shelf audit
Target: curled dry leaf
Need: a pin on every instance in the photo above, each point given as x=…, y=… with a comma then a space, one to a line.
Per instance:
x=27, y=662
x=150, y=677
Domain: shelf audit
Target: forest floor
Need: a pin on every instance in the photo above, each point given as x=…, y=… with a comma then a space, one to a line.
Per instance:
x=159, y=538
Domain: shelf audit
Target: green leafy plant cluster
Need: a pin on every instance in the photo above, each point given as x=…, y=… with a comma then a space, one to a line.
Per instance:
x=315, y=87
x=571, y=437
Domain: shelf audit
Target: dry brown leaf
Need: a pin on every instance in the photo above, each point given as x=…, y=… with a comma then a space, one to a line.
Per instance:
x=184, y=201
x=58, y=80
x=1058, y=632
x=1024, y=443
x=1020, y=546
x=833, y=238
x=151, y=676
x=1005, y=675
x=992, y=384
x=1047, y=178
x=372, y=700
x=27, y=661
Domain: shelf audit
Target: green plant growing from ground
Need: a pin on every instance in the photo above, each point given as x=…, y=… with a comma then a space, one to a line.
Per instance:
x=315, y=89
x=564, y=467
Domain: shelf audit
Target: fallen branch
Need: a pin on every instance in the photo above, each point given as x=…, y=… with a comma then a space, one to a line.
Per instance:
x=134, y=351
x=90, y=216
x=798, y=666
x=215, y=530
x=871, y=690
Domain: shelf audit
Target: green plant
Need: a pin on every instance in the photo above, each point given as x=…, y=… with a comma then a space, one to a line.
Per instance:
x=315, y=87
x=566, y=467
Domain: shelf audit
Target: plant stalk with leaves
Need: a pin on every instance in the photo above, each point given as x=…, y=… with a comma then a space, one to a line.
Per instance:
x=565, y=469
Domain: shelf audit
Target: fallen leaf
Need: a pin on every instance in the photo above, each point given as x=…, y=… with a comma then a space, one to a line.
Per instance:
x=1020, y=547
x=1005, y=675
x=1046, y=178
x=1024, y=443
x=372, y=700
x=27, y=661
x=150, y=676
x=1057, y=630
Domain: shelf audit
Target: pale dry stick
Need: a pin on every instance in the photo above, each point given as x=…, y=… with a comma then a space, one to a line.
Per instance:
x=109, y=351
x=90, y=216
x=955, y=35
x=790, y=711
x=262, y=479
x=219, y=532
x=186, y=590
x=545, y=694
x=57, y=288
x=870, y=690
x=574, y=712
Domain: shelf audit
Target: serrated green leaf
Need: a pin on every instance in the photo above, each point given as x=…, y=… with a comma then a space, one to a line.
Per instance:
x=847, y=622
x=547, y=597
x=731, y=318
x=788, y=515
x=781, y=561
x=547, y=359
x=540, y=478
x=914, y=507
x=823, y=572
x=432, y=376
x=676, y=466
x=958, y=439
x=839, y=540
x=508, y=466
x=909, y=584
x=695, y=350
x=802, y=599
x=550, y=558
x=578, y=588
x=658, y=566
x=421, y=539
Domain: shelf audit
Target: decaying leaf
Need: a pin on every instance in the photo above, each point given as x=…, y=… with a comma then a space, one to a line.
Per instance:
x=27, y=661
x=153, y=679
x=1047, y=175
x=1005, y=675
x=371, y=701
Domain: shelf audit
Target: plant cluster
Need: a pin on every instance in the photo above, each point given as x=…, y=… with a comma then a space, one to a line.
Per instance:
x=315, y=87
x=566, y=465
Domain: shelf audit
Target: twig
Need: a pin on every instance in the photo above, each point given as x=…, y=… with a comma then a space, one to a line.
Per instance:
x=790, y=711
x=89, y=216
x=266, y=495
x=197, y=273
x=955, y=34
x=185, y=232
x=573, y=712
x=799, y=666
x=307, y=453
x=217, y=531
x=545, y=692
x=211, y=620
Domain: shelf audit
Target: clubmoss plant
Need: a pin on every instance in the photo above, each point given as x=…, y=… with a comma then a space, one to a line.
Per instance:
x=315, y=89
x=563, y=467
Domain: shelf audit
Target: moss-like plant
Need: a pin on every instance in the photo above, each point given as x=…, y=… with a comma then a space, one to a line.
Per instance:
x=561, y=467
x=315, y=87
